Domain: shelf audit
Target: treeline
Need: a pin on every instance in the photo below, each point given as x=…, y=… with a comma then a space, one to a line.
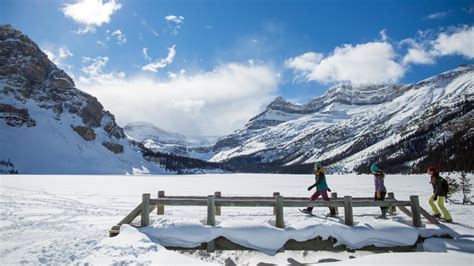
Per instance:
x=181, y=164
x=7, y=167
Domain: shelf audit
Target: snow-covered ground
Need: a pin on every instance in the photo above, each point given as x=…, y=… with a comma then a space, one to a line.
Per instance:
x=64, y=219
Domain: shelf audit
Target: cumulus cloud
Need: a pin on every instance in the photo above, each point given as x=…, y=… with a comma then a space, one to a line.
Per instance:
x=378, y=61
x=425, y=50
x=160, y=62
x=90, y=13
x=210, y=103
x=174, y=23
x=419, y=56
x=372, y=62
x=459, y=42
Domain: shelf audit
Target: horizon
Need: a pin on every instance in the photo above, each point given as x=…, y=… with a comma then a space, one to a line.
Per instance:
x=188, y=73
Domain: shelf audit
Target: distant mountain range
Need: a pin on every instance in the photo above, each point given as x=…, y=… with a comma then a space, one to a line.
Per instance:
x=401, y=127
x=159, y=140
x=48, y=126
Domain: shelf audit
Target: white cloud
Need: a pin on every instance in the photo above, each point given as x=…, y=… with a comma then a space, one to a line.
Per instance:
x=121, y=39
x=59, y=57
x=383, y=35
x=101, y=43
x=417, y=55
x=372, y=62
x=90, y=13
x=93, y=72
x=160, y=62
x=210, y=103
x=459, y=42
x=85, y=29
x=145, y=54
x=439, y=15
x=174, y=23
x=172, y=75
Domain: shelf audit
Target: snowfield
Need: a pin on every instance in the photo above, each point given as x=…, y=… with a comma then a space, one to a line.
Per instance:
x=64, y=220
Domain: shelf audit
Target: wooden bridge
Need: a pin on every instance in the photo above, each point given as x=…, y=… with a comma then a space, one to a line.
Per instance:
x=215, y=203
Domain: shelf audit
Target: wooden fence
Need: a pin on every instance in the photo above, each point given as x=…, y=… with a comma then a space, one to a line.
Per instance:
x=215, y=202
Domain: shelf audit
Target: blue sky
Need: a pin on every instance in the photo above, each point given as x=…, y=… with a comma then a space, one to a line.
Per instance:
x=195, y=56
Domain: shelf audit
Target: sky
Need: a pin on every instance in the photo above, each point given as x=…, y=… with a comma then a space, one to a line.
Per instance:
x=207, y=67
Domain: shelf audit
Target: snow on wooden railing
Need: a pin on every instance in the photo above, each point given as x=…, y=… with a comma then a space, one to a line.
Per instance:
x=278, y=202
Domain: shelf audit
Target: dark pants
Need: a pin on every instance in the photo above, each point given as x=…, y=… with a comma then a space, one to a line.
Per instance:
x=382, y=198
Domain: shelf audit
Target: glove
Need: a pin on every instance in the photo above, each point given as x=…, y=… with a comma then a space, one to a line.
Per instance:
x=329, y=189
x=378, y=195
x=435, y=198
x=310, y=187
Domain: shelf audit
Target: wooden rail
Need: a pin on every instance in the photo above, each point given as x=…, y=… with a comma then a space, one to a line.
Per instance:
x=278, y=202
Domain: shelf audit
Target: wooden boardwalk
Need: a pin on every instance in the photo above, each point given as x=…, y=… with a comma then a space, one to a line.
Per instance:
x=215, y=203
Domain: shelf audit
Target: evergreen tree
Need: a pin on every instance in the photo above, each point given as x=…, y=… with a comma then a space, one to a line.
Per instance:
x=453, y=187
x=465, y=186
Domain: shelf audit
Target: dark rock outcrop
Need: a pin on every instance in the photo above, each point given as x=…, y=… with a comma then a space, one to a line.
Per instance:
x=86, y=133
x=113, y=147
x=15, y=117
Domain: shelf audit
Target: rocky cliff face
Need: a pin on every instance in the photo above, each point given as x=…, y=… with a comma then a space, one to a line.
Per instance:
x=351, y=127
x=40, y=107
x=28, y=74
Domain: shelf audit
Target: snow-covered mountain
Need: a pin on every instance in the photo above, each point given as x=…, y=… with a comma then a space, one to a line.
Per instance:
x=47, y=125
x=159, y=140
x=400, y=127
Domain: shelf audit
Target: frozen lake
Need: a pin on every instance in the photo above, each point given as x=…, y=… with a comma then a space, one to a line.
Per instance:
x=64, y=219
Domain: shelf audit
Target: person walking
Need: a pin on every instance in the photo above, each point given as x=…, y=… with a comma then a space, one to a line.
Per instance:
x=380, y=190
x=440, y=191
x=321, y=189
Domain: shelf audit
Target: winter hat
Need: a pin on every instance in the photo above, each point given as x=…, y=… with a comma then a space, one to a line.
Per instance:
x=374, y=168
x=432, y=169
x=317, y=165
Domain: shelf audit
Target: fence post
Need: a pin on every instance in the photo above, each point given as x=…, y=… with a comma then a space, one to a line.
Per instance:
x=160, y=209
x=274, y=207
x=334, y=197
x=211, y=210
x=415, y=210
x=348, y=219
x=217, y=195
x=145, y=210
x=280, y=223
x=392, y=210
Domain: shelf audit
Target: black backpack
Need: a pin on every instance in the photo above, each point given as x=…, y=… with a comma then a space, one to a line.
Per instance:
x=445, y=186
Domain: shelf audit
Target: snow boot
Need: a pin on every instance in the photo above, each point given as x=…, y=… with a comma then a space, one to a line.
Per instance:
x=449, y=221
x=437, y=216
x=384, y=213
x=332, y=212
x=308, y=210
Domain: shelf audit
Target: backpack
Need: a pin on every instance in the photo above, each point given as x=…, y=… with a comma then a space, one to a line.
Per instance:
x=445, y=186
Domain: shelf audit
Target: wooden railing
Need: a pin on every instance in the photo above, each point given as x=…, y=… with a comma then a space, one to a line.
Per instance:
x=215, y=202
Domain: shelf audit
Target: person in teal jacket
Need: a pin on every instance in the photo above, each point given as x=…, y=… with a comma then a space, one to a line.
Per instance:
x=321, y=189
